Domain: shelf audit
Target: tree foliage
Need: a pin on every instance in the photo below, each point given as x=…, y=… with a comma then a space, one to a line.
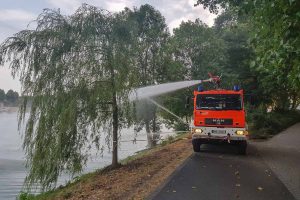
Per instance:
x=276, y=43
x=197, y=48
x=274, y=27
x=2, y=95
x=78, y=70
x=11, y=96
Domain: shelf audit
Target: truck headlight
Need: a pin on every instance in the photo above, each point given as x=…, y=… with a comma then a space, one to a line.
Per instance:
x=198, y=130
x=241, y=132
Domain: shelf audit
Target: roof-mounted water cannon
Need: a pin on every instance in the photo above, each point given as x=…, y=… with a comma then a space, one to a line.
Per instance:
x=212, y=79
x=215, y=79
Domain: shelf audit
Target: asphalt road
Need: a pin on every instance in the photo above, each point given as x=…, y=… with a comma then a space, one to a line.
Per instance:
x=270, y=170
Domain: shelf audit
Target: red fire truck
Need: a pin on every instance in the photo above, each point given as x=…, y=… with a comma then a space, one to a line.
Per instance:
x=219, y=116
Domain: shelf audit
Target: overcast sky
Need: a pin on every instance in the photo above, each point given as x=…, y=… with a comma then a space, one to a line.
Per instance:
x=15, y=15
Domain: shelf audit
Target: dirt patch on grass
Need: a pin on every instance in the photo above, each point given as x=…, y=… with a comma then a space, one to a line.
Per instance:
x=135, y=180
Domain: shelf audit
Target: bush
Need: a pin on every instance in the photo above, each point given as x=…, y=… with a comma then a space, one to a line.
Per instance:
x=264, y=125
x=179, y=126
x=25, y=196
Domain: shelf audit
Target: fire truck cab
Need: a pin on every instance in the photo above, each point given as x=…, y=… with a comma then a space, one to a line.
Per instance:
x=219, y=116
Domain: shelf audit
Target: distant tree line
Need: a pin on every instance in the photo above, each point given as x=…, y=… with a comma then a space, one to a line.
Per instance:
x=10, y=98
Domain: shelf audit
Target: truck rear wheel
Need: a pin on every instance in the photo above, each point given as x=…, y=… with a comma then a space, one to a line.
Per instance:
x=243, y=148
x=196, y=145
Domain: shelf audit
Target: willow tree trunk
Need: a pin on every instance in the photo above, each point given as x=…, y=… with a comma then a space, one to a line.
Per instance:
x=154, y=130
x=148, y=131
x=115, y=131
x=115, y=118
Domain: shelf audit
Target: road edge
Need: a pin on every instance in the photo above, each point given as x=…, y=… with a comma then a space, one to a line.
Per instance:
x=165, y=182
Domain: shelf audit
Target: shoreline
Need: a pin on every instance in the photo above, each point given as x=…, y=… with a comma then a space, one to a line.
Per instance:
x=6, y=109
x=137, y=177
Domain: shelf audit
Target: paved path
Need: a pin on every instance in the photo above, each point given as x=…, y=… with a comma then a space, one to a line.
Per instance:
x=282, y=154
x=271, y=170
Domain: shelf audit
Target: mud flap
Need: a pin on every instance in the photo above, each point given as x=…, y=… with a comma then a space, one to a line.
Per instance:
x=228, y=138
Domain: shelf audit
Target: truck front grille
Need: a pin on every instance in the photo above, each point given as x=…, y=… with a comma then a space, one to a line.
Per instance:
x=215, y=121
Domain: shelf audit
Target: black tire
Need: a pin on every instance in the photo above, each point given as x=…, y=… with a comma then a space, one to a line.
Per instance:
x=243, y=148
x=196, y=145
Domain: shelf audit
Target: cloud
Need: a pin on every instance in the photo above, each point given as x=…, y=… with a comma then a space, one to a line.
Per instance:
x=8, y=15
x=116, y=6
x=180, y=10
x=14, y=20
x=176, y=22
x=184, y=10
x=69, y=7
x=66, y=6
x=6, y=80
x=174, y=12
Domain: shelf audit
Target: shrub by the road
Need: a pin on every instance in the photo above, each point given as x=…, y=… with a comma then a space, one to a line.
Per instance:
x=264, y=124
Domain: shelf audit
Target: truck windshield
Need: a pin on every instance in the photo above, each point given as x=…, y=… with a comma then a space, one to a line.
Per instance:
x=218, y=102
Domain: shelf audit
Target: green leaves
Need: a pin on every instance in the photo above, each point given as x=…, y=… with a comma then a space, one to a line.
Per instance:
x=196, y=47
x=70, y=66
x=291, y=1
x=274, y=28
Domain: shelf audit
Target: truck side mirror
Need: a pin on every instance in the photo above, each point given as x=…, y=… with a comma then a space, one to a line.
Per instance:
x=187, y=102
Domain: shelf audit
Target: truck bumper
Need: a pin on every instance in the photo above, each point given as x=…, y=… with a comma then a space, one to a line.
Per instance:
x=215, y=134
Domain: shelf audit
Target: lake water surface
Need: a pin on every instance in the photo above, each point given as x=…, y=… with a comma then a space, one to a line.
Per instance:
x=12, y=170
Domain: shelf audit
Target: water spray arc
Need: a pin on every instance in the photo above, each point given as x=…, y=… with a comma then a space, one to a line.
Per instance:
x=167, y=110
x=155, y=90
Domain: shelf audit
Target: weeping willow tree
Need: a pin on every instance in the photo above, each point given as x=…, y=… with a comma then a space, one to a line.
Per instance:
x=77, y=72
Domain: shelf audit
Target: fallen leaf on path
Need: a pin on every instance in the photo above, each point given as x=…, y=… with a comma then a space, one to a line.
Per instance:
x=260, y=188
x=193, y=187
x=237, y=173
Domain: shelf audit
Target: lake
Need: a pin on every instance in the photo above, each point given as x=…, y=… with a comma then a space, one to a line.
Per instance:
x=12, y=170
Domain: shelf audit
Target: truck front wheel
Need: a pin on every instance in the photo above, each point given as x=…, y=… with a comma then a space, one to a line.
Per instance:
x=196, y=145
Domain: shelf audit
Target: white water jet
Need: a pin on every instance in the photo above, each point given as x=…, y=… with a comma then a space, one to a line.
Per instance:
x=148, y=92
x=167, y=110
x=156, y=90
